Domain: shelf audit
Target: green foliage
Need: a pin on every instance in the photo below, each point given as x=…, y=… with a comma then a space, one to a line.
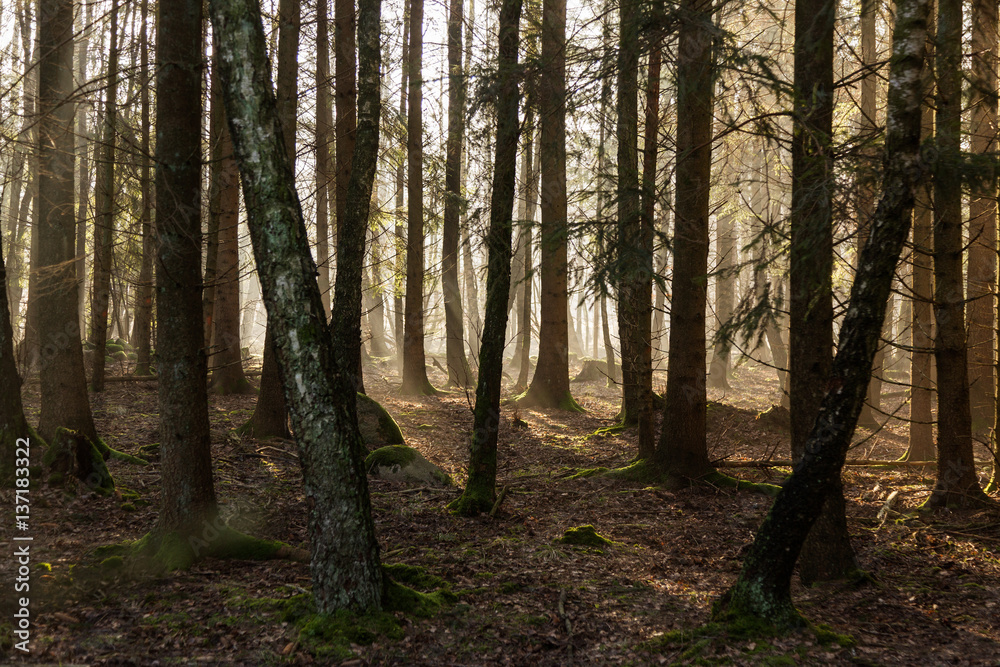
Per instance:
x=413, y=575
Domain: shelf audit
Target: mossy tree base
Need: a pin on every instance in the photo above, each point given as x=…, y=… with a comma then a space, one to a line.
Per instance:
x=973, y=499
x=645, y=471
x=74, y=454
x=536, y=399
x=473, y=502
x=230, y=386
x=171, y=551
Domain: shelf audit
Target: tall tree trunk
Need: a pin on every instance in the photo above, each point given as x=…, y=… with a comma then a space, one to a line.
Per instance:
x=459, y=374
x=957, y=482
x=982, y=279
x=324, y=138
x=346, y=572
x=400, y=237
x=346, y=91
x=142, y=323
x=104, y=222
x=414, y=364
x=866, y=187
x=550, y=385
x=763, y=587
x=921, y=444
x=227, y=355
x=188, y=496
x=480, y=492
x=84, y=139
x=527, y=241
x=827, y=553
x=628, y=256
x=270, y=416
x=682, y=450
x=346, y=322
x=64, y=400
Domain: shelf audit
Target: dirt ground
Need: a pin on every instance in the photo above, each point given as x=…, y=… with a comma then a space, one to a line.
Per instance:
x=523, y=599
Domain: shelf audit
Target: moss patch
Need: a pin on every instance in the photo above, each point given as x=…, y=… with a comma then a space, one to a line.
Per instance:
x=393, y=455
x=584, y=536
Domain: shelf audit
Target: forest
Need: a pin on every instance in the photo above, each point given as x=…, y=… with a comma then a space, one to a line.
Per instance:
x=516, y=332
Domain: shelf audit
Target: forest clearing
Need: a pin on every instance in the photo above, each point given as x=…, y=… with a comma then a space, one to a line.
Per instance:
x=521, y=596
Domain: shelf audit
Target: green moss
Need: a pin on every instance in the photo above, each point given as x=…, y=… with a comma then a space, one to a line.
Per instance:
x=393, y=455
x=113, y=563
x=725, y=481
x=584, y=536
x=329, y=637
x=825, y=635
x=127, y=507
x=113, y=348
x=569, y=403
x=173, y=551
x=588, y=472
x=44, y=567
x=508, y=587
x=396, y=597
x=414, y=576
x=475, y=500
x=72, y=453
x=388, y=428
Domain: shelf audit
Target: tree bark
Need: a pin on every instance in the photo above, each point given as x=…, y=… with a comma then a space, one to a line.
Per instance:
x=324, y=138
x=459, y=374
x=682, y=450
x=414, y=362
x=982, y=278
x=763, y=587
x=480, y=491
x=64, y=400
x=827, y=553
x=142, y=323
x=346, y=323
x=13, y=425
x=227, y=355
x=188, y=496
x=957, y=482
x=104, y=221
x=550, y=385
x=345, y=561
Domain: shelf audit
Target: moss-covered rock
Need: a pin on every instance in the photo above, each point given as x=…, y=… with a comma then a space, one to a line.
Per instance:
x=377, y=426
x=584, y=536
x=400, y=463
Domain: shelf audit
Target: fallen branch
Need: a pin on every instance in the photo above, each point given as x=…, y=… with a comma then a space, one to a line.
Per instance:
x=496, y=505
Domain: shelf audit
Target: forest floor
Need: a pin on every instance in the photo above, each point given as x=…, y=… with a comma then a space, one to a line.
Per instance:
x=522, y=597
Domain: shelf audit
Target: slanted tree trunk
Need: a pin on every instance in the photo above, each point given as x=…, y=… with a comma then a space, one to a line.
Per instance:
x=142, y=323
x=982, y=279
x=480, y=491
x=414, y=362
x=682, y=450
x=550, y=385
x=188, y=502
x=957, y=482
x=104, y=222
x=346, y=323
x=64, y=400
x=459, y=374
x=763, y=587
x=345, y=561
